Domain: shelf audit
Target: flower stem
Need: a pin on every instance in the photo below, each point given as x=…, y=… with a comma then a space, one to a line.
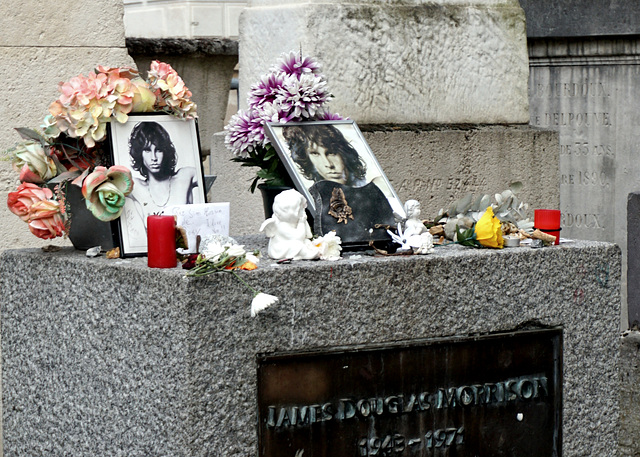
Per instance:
x=255, y=292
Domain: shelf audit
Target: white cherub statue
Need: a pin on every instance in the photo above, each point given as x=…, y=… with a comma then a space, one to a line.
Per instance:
x=412, y=234
x=288, y=229
x=413, y=225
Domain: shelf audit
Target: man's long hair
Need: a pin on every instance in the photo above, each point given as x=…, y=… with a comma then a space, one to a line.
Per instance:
x=142, y=137
x=299, y=138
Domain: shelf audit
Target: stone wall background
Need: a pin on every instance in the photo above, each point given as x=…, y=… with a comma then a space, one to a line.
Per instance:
x=400, y=62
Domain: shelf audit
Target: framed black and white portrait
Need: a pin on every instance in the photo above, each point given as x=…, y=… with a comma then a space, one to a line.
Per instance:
x=163, y=154
x=332, y=165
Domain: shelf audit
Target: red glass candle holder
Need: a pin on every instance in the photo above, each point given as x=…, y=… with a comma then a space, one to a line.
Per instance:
x=548, y=221
x=161, y=242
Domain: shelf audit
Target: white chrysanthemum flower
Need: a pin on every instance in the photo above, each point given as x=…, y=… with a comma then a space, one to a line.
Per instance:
x=244, y=131
x=235, y=250
x=253, y=258
x=271, y=112
x=213, y=251
x=293, y=63
x=261, y=302
x=329, y=246
x=264, y=91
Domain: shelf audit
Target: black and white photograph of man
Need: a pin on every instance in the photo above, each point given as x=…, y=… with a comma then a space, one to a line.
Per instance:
x=163, y=155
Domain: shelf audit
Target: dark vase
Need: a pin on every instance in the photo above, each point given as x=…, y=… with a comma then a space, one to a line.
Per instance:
x=86, y=231
x=269, y=194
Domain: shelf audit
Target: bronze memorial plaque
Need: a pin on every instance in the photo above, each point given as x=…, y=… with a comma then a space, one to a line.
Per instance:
x=488, y=396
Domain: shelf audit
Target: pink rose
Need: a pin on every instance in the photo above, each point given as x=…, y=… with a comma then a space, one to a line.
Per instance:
x=45, y=220
x=20, y=201
x=35, y=205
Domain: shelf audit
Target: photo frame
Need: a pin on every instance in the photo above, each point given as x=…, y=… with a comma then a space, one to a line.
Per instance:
x=168, y=173
x=332, y=165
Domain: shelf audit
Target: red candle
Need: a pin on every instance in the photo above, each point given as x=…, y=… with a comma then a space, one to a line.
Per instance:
x=161, y=242
x=548, y=221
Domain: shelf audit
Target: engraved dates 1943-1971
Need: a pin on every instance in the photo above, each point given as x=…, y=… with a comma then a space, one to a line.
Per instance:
x=397, y=444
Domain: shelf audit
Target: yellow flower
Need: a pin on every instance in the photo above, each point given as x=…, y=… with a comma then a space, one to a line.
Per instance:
x=143, y=97
x=488, y=230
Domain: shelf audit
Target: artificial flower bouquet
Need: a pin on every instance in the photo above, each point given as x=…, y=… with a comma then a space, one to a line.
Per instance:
x=69, y=148
x=294, y=90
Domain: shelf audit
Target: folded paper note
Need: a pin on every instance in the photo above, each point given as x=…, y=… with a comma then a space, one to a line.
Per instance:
x=200, y=219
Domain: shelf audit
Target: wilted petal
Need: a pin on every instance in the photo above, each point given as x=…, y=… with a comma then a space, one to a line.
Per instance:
x=261, y=302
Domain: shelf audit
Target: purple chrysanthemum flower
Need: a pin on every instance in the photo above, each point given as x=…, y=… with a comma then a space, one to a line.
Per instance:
x=245, y=130
x=265, y=90
x=301, y=98
x=294, y=90
x=271, y=112
x=293, y=63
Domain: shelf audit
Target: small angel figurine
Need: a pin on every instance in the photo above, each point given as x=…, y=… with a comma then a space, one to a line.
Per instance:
x=412, y=234
x=413, y=225
x=288, y=229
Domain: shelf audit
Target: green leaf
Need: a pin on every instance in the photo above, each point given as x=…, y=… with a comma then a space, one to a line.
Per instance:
x=30, y=134
x=67, y=176
x=467, y=237
x=264, y=174
x=252, y=188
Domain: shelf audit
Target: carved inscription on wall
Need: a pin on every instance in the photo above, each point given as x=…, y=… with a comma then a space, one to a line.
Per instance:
x=577, y=101
x=468, y=397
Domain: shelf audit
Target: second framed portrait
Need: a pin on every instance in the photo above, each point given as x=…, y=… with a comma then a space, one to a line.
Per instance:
x=163, y=154
x=332, y=165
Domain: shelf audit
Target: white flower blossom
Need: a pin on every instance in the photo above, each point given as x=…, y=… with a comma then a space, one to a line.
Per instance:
x=235, y=250
x=419, y=244
x=304, y=96
x=253, y=258
x=213, y=251
x=261, y=302
x=329, y=246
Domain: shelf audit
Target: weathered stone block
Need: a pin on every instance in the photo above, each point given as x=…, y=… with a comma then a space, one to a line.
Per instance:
x=114, y=358
x=588, y=91
x=72, y=23
x=403, y=61
x=568, y=18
